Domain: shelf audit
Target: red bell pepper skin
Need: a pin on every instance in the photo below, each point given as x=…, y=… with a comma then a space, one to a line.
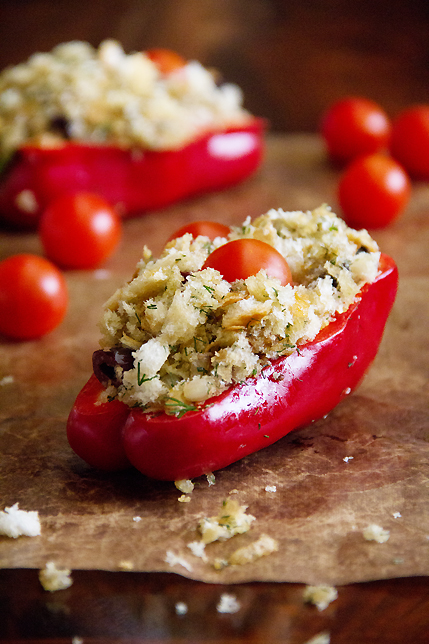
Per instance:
x=135, y=180
x=291, y=392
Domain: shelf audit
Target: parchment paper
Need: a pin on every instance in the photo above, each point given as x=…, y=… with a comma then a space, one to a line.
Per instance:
x=367, y=462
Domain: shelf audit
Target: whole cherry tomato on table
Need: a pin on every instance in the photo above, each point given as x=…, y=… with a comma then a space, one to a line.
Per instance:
x=80, y=230
x=33, y=297
x=373, y=191
x=410, y=140
x=210, y=229
x=354, y=126
x=241, y=258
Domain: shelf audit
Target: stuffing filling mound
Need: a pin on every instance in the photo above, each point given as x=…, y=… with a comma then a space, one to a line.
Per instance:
x=177, y=334
x=77, y=92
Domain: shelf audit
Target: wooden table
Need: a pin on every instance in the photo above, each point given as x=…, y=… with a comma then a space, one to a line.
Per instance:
x=103, y=606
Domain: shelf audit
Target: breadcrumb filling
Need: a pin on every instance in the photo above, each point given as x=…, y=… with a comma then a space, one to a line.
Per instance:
x=192, y=334
x=103, y=95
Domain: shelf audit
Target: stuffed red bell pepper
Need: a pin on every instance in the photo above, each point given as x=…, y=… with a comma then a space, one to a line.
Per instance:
x=231, y=339
x=138, y=132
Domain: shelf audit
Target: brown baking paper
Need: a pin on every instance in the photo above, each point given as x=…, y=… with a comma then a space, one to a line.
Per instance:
x=365, y=463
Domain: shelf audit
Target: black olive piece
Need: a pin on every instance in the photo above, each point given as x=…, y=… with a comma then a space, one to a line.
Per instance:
x=104, y=363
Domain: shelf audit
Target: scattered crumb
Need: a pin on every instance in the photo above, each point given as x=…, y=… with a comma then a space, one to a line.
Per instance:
x=176, y=560
x=181, y=608
x=321, y=638
x=228, y=604
x=137, y=519
x=126, y=565
x=232, y=519
x=184, y=498
x=320, y=596
x=211, y=478
x=234, y=491
x=398, y=560
x=270, y=488
x=77, y=640
x=262, y=547
x=7, y=380
x=220, y=564
x=346, y=459
x=397, y=515
x=184, y=485
x=16, y=523
x=197, y=548
x=376, y=533
x=53, y=578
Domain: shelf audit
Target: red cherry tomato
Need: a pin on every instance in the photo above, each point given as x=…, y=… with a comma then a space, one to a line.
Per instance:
x=94, y=429
x=210, y=229
x=33, y=297
x=354, y=126
x=241, y=258
x=80, y=230
x=373, y=191
x=166, y=60
x=410, y=140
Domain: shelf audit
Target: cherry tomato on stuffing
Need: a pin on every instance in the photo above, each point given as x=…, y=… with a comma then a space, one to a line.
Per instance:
x=166, y=60
x=241, y=258
x=210, y=229
x=80, y=230
x=373, y=191
x=410, y=140
x=354, y=126
x=33, y=297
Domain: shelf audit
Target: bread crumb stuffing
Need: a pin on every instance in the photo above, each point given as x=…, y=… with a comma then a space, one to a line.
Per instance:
x=321, y=596
x=15, y=523
x=53, y=578
x=397, y=515
x=270, y=488
x=176, y=560
x=376, y=533
x=262, y=547
x=198, y=549
x=184, y=498
x=228, y=604
x=185, y=485
x=231, y=520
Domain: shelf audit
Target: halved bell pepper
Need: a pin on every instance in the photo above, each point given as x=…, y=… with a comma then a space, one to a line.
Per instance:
x=289, y=393
x=135, y=180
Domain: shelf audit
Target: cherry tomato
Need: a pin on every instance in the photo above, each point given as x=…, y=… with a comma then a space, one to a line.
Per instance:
x=94, y=429
x=166, y=60
x=80, y=230
x=241, y=258
x=33, y=297
x=410, y=140
x=373, y=191
x=354, y=126
x=210, y=229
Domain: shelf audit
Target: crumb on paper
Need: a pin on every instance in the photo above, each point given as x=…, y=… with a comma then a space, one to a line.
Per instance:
x=270, y=488
x=376, y=533
x=321, y=596
x=181, y=608
x=320, y=638
x=137, y=519
x=228, y=604
x=346, y=459
x=262, y=547
x=198, y=549
x=220, y=564
x=6, y=380
x=53, y=578
x=231, y=520
x=176, y=560
x=16, y=523
x=396, y=515
x=184, y=498
x=126, y=565
x=184, y=485
x=211, y=479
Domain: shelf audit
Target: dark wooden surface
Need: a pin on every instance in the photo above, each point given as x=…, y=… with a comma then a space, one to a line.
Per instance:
x=292, y=59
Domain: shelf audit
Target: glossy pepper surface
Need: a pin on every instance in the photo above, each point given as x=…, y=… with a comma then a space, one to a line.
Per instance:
x=134, y=180
x=290, y=392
